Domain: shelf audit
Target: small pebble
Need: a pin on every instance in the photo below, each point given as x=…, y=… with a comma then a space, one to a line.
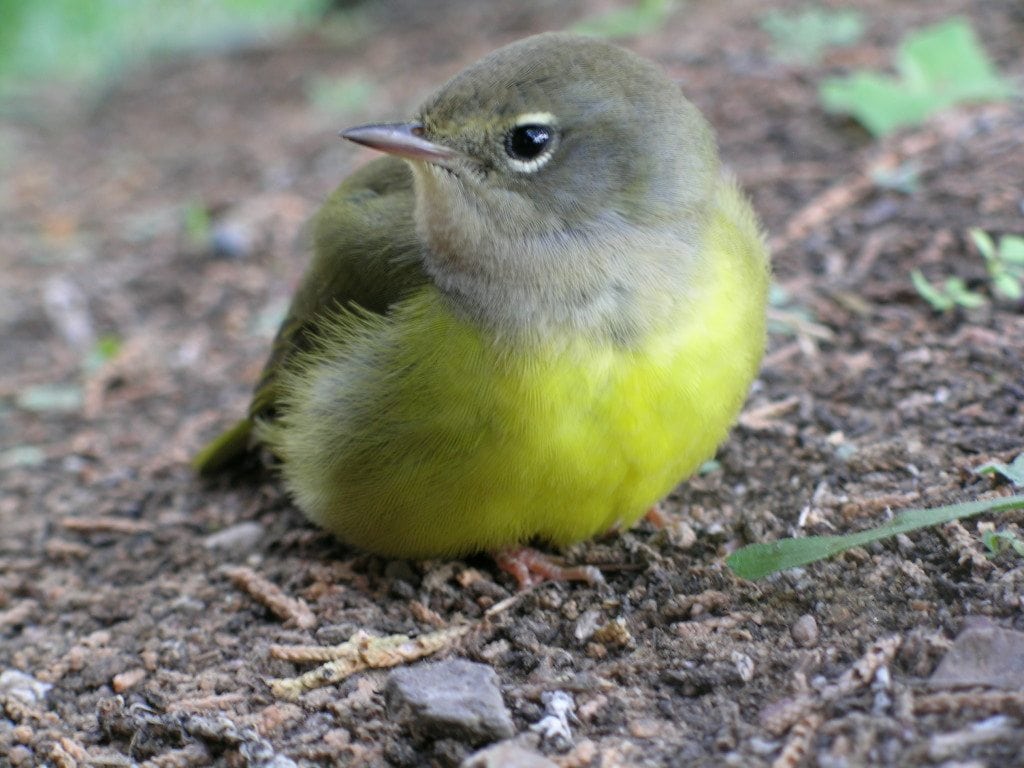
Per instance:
x=20, y=756
x=614, y=632
x=231, y=241
x=507, y=754
x=744, y=666
x=983, y=654
x=238, y=538
x=25, y=688
x=128, y=679
x=559, y=708
x=587, y=625
x=805, y=631
x=454, y=698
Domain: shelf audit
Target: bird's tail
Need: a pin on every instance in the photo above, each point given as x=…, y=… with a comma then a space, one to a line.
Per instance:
x=225, y=449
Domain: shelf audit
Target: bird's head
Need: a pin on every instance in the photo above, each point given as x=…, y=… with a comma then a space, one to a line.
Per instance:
x=554, y=179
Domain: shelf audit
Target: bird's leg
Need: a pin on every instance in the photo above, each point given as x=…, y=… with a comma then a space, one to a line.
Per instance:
x=657, y=518
x=531, y=567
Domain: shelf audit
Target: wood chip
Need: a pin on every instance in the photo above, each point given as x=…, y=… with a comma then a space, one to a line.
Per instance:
x=799, y=743
x=765, y=418
x=106, y=524
x=1004, y=702
x=267, y=593
x=220, y=702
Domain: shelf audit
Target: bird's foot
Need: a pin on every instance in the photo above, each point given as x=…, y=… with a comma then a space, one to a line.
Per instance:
x=530, y=567
x=657, y=518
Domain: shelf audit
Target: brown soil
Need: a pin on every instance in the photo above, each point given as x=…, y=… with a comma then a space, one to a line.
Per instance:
x=109, y=592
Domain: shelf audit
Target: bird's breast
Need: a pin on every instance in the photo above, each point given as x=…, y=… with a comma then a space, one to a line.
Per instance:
x=427, y=435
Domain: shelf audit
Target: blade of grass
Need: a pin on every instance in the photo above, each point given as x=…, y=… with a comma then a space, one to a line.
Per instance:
x=756, y=561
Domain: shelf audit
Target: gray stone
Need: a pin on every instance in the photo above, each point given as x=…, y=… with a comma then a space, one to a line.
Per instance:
x=238, y=538
x=805, y=631
x=507, y=754
x=454, y=698
x=984, y=654
x=22, y=687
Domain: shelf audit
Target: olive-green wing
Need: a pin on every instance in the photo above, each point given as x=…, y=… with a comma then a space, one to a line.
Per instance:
x=365, y=253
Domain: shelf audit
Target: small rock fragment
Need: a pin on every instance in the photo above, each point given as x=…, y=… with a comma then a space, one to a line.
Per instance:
x=744, y=666
x=614, y=633
x=805, y=631
x=67, y=308
x=231, y=241
x=507, y=754
x=454, y=698
x=586, y=625
x=20, y=756
x=559, y=708
x=127, y=679
x=238, y=538
x=25, y=688
x=983, y=655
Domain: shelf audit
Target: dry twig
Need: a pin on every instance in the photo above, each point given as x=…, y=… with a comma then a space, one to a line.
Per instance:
x=106, y=524
x=361, y=652
x=272, y=596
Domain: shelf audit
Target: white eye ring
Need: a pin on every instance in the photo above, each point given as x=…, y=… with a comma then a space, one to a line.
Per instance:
x=540, y=124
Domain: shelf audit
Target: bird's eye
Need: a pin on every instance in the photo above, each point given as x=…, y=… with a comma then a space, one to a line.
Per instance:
x=527, y=142
x=530, y=141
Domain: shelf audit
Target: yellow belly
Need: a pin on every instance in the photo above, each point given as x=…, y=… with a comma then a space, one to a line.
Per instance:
x=422, y=439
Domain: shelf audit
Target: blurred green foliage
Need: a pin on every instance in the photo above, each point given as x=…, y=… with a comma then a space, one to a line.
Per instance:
x=997, y=542
x=640, y=17
x=952, y=293
x=1014, y=471
x=904, y=178
x=340, y=96
x=937, y=67
x=1004, y=262
x=84, y=40
x=802, y=36
x=104, y=349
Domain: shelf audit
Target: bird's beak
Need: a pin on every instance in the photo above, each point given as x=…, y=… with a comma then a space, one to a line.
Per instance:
x=400, y=139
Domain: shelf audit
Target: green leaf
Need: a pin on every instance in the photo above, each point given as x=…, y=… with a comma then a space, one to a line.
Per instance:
x=708, y=467
x=340, y=96
x=47, y=398
x=957, y=290
x=777, y=295
x=105, y=348
x=1014, y=471
x=903, y=179
x=86, y=39
x=22, y=456
x=1005, y=263
x=983, y=242
x=756, y=561
x=936, y=298
x=802, y=36
x=1011, y=249
x=197, y=223
x=937, y=67
x=999, y=541
x=642, y=17
x=1008, y=286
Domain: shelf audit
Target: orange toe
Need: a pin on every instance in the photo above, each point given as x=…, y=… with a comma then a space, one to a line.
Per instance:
x=530, y=567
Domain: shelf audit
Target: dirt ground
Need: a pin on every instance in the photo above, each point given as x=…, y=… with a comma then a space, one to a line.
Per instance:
x=130, y=591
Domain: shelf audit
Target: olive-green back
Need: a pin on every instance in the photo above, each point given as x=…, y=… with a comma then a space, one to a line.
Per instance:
x=365, y=254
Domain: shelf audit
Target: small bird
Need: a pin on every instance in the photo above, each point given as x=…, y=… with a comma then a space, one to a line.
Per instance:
x=528, y=322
